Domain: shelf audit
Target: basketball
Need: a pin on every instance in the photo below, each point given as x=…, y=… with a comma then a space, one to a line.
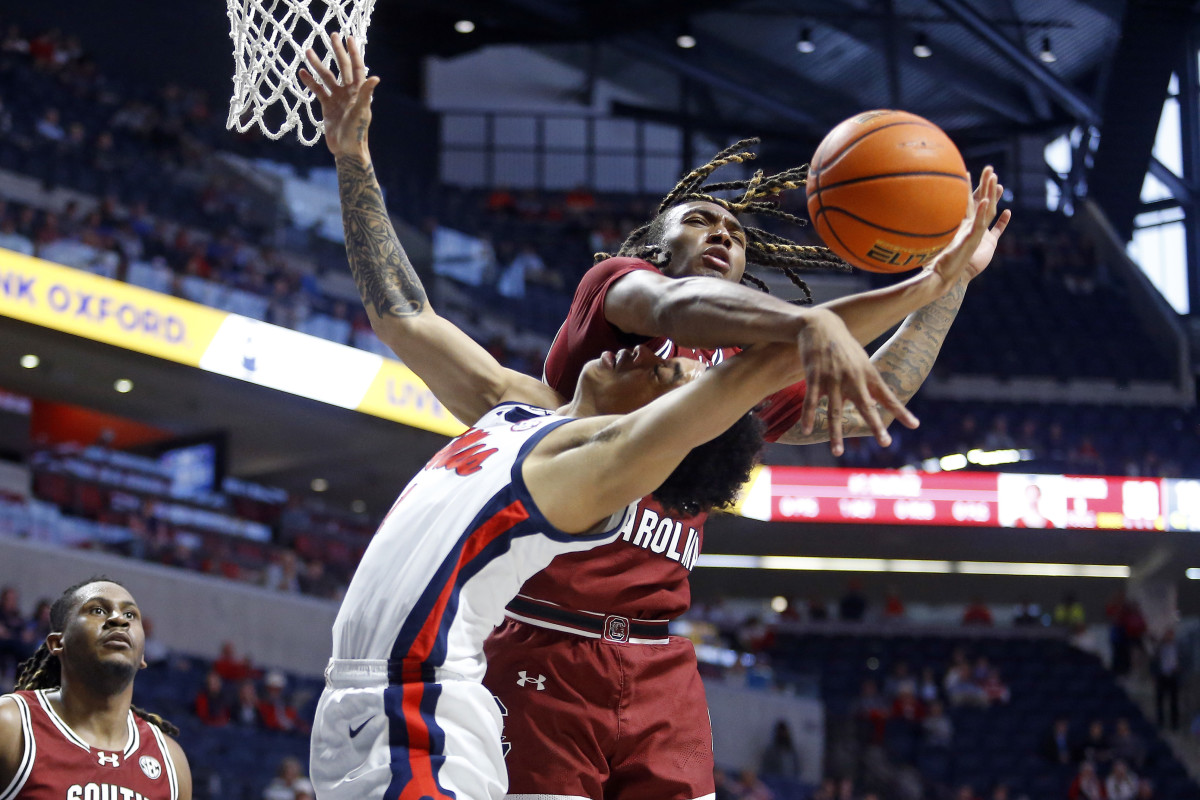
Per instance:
x=887, y=190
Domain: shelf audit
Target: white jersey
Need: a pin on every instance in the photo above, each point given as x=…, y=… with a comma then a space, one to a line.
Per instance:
x=457, y=545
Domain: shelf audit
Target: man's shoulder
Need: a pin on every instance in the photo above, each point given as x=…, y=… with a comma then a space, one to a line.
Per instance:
x=612, y=268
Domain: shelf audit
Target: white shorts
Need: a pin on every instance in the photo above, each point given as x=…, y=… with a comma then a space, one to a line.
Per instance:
x=424, y=741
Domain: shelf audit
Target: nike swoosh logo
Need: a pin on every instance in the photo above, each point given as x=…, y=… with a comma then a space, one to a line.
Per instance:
x=356, y=731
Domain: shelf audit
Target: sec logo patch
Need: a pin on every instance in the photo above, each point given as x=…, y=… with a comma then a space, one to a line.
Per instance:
x=150, y=766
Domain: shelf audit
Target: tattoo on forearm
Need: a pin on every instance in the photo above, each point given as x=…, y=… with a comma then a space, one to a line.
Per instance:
x=904, y=361
x=386, y=279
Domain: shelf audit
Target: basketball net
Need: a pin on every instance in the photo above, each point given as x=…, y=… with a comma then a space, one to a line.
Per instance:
x=269, y=40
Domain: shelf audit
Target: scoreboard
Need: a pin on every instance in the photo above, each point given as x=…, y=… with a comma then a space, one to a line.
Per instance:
x=972, y=498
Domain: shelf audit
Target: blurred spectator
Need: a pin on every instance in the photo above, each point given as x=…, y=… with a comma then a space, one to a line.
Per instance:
x=289, y=782
x=283, y=573
x=961, y=689
x=817, y=610
x=966, y=792
x=995, y=691
x=1121, y=783
x=937, y=727
x=998, y=437
x=1128, y=746
x=1145, y=789
x=12, y=626
x=826, y=791
x=1028, y=614
x=1087, y=784
x=37, y=628
x=977, y=613
x=755, y=636
x=900, y=680
x=780, y=757
x=1095, y=747
x=211, y=704
x=845, y=789
x=1000, y=792
x=853, y=605
x=928, y=689
x=893, y=606
x=49, y=127
x=244, y=710
x=274, y=710
x=749, y=787
x=230, y=667
x=907, y=706
x=870, y=713
x=1165, y=665
x=1069, y=613
x=1127, y=627
x=1058, y=746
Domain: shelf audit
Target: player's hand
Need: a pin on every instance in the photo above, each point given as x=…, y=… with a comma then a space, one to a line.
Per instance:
x=345, y=98
x=975, y=241
x=836, y=367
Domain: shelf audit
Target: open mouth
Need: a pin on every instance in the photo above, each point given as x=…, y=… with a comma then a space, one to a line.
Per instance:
x=117, y=640
x=717, y=258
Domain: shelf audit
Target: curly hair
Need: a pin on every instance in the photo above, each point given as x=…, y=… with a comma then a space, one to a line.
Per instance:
x=758, y=196
x=711, y=475
x=43, y=670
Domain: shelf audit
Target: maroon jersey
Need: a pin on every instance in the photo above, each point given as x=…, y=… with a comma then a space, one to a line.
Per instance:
x=644, y=573
x=59, y=765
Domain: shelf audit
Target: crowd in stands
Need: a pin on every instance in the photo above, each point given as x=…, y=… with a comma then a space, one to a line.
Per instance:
x=256, y=700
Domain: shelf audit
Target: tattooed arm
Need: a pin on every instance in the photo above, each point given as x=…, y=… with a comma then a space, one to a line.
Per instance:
x=461, y=374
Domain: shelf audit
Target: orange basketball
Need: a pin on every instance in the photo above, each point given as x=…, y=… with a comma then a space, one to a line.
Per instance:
x=887, y=190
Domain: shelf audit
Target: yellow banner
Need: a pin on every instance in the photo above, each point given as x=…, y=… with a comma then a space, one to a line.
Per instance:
x=399, y=395
x=105, y=310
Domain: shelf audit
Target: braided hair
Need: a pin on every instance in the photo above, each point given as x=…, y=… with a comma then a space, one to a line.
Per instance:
x=44, y=671
x=758, y=196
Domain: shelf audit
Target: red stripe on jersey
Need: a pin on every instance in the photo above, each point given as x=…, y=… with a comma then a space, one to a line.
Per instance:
x=423, y=783
x=496, y=526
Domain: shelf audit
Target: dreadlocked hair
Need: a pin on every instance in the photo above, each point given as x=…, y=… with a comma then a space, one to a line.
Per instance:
x=758, y=196
x=43, y=670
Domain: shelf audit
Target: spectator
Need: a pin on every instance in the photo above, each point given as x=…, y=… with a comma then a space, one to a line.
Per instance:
x=49, y=127
x=211, y=704
x=961, y=689
x=274, y=710
x=817, y=610
x=1165, y=665
x=1121, y=783
x=1128, y=746
x=901, y=680
x=12, y=626
x=977, y=613
x=1087, y=784
x=853, y=605
x=1000, y=791
x=244, y=710
x=157, y=653
x=907, y=706
x=37, y=628
x=1028, y=614
x=289, y=782
x=1058, y=747
x=938, y=728
x=1095, y=747
x=928, y=689
x=870, y=713
x=283, y=573
x=1069, y=613
x=230, y=667
x=780, y=757
x=1145, y=789
x=749, y=787
x=995, y=691
x=893, y=606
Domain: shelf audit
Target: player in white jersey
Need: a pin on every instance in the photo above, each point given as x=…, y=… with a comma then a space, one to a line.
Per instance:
x=404, y=713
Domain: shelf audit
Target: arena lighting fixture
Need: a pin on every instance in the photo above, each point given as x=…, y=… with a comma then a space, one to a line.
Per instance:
x=359, y=507
x=1193, y=573
x=779, y=604
x=982, y=458
x=464, y=26
x=921, y=48
x=123, y=385
x=686, y=41
x=1047, y=56
x=819, y=564
x=805, y=43
x=319, y=484
x=30, y=361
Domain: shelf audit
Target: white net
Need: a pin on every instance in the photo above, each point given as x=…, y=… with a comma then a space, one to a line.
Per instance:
x=269, y=40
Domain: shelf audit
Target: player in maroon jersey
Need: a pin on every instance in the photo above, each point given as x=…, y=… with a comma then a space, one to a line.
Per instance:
x=589, y=715
x=70, y=730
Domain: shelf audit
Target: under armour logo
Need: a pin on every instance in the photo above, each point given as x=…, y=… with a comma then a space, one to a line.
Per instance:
x=109, y=759
x=539, y=681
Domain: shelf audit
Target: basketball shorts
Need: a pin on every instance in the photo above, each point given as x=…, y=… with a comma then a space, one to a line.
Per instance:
x=408, y=741
x=597, y=719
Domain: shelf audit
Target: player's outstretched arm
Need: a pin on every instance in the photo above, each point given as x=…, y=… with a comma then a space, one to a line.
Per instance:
x=461, y=374
x=12, y=741
x=620, y=459
x=869, y=315
x=907, y=358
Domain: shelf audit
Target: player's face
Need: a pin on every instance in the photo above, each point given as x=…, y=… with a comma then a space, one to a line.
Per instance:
x=620, y=382
x=704, y=239
x=103, y=636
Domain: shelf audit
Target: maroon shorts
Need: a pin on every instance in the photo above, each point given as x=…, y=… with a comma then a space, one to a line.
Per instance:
x=592, y=718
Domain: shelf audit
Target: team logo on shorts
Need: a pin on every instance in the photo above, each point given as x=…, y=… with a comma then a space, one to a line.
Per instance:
x=150, y=766
x=616, y=629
